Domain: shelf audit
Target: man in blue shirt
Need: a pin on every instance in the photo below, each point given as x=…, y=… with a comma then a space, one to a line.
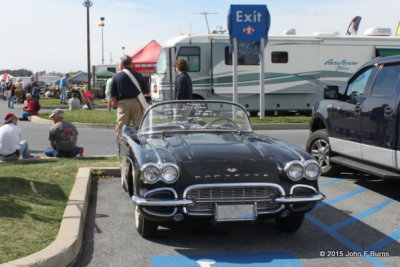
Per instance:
x=63, y=89
x=124, y=93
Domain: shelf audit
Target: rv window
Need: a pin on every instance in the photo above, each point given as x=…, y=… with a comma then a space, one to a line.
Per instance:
x=112, y=69
x=162, y=62
x=248, y=54
x=279, y=57
x=192, y=56
x=386, y=81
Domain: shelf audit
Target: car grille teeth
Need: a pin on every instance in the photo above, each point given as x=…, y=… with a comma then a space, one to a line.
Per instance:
x=206, y=198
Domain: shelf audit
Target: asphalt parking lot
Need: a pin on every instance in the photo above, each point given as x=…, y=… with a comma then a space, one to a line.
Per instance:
x=357, y=225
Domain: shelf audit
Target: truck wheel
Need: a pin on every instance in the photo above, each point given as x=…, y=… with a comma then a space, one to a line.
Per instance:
x=318, y=146
x=144, y=227
x=290, y=223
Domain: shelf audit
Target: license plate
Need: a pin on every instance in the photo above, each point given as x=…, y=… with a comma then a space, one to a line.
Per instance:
x=235, y=213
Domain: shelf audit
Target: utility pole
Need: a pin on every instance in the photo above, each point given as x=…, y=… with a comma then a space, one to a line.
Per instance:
x=205, y=14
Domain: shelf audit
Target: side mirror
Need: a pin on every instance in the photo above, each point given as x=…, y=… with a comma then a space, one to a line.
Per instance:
x=331, y=92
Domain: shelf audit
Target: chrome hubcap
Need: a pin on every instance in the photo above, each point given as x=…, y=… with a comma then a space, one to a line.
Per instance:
x=320, y=150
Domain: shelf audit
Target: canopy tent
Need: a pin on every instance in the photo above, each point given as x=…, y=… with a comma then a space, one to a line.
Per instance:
x=5, y=76
x=79, y=78
x=105, y=75
x=144, y=60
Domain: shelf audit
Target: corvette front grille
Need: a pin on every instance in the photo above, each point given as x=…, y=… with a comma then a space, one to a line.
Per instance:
x=205, y=197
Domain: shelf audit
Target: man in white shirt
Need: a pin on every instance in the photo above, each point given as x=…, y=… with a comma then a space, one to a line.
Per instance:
x=11, y=146
x=74, y=103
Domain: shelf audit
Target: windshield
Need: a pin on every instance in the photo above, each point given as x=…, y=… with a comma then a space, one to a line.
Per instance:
x=195, y=115
x=162, y=61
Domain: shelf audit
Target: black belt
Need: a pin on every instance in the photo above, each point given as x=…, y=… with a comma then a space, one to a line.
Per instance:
x=9, y=155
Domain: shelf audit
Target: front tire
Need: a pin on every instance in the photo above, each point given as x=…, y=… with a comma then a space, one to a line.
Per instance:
x=291, y=223
x=144, y=227
x=318, y=146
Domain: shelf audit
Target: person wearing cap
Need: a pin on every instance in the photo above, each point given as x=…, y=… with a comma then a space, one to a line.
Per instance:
x=63, y=137
x=11, y=146
x=29, y=109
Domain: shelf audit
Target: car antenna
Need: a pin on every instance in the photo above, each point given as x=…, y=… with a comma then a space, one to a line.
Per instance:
x=205, y=16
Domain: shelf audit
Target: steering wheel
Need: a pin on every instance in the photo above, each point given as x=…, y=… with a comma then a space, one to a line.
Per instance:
x=223, y=119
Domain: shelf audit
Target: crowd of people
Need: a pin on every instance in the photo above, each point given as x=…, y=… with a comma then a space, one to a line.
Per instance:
x=125, y=90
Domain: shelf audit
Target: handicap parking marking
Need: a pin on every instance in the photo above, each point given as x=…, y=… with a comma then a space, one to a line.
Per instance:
x=333, y=181
x=228, y=260
x=340, y=198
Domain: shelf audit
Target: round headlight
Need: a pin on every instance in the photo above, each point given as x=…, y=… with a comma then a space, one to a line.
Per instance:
x=169, y=174
x=295, y=171
x=151, y=174
x=313, y=171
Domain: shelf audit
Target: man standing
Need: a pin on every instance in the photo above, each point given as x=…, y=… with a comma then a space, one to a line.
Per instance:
x=183, y=82
x=63, y=89
x=124, y=93
x=63, y=137
x=11, y=146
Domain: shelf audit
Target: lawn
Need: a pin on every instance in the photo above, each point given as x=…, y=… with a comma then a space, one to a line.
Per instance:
x=109, y=117
x=32, y=200
x=56, y=102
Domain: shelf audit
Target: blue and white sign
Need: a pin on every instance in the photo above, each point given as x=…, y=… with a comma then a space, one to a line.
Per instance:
x=249, y=23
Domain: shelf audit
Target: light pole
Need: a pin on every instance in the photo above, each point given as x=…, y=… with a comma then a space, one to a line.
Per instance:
x=88, y=4
x=102, y=40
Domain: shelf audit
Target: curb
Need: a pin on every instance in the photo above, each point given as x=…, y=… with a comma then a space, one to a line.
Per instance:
x=265, y=126
x=65, y=249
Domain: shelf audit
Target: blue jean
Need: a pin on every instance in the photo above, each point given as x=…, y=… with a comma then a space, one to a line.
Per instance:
x=63, y=94
x=23, y=152
x=52, y=152
x=25, y=115
x=11, y=100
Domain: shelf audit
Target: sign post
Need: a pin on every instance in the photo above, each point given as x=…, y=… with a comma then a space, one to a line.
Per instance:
x=249, y=23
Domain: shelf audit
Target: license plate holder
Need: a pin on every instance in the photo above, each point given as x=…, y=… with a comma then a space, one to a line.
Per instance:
x=238, y=212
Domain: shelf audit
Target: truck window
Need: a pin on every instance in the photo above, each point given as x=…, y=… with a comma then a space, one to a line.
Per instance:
x=192, y=56
x=248, y=54
x=279, y=57
x=357, y=86
x=386, y=81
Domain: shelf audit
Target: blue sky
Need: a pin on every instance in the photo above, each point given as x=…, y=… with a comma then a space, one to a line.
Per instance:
x=50, y=35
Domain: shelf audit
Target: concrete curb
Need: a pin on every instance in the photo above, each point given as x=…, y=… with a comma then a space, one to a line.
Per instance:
x=256, y=126
x=67, y=246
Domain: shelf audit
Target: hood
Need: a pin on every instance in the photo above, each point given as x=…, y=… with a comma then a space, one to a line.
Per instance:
x=222, y=157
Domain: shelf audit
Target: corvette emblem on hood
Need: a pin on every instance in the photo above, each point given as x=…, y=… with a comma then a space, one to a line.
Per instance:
x=232, y=170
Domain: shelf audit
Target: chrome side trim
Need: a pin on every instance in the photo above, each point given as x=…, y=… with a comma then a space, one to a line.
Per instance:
x=290, y=199
x=160, y=203
x=161, y=189
x=304, y=186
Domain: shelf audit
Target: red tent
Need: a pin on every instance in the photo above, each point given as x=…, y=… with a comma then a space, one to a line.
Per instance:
x=144, y=60
x=5, y=76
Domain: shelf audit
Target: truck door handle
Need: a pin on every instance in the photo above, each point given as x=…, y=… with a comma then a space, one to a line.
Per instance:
x=388, y=112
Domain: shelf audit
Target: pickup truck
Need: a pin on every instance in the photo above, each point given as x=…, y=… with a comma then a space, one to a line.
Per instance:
x=359, y=127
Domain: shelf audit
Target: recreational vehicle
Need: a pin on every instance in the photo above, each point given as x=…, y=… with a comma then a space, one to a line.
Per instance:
x=296, y=67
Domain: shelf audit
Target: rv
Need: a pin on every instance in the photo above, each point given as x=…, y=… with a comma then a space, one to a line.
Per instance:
x=296, y=67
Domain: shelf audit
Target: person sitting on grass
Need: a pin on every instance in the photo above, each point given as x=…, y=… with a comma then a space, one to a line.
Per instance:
x=74, y=103
x=29, y=109
x=63, y=137
x=11, y=146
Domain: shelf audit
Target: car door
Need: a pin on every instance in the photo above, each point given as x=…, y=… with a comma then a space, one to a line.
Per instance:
x=379, y=117
x=345, y=135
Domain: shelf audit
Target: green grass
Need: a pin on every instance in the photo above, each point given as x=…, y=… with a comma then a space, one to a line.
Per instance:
x=33, y=197
x=109, y=117
x=56, y=102
x=86, y=116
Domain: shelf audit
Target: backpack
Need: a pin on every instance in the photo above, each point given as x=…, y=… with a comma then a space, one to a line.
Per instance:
x=37, y=106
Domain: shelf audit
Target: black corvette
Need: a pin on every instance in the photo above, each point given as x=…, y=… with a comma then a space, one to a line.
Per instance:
x=201, y=159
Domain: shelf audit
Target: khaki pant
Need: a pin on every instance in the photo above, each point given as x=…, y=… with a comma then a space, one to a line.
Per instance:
x=128, y=110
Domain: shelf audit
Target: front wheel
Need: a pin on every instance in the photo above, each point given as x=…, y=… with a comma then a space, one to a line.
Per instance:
x=318, y=146
x=144, y=227
x=290, y=223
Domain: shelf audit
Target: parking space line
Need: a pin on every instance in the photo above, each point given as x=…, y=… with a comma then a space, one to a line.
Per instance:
x=387, y=240
x=340, y=198
x=330, y=182
x=362, y=215
x=343, y=240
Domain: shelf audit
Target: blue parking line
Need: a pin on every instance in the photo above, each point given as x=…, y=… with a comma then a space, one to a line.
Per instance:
x=387, y=240
x=330, y=182
x=340, y=198
x=361, y=215
x=343, y=240
x=278, y=259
